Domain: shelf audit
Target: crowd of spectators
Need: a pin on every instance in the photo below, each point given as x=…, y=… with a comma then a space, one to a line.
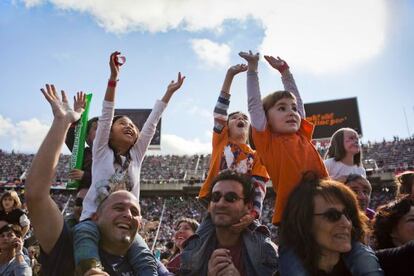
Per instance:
x=390, y=156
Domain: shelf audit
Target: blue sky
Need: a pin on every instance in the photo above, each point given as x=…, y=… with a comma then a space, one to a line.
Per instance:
x=336, y=49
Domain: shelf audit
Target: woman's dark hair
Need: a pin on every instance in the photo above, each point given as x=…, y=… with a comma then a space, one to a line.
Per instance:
x=405, y=181
x=297, y=220
x=194, y=226
x=387, y=218
x=337, y=150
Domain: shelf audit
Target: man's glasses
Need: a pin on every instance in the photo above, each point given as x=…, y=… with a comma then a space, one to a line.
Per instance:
x=333, y=215
x=229, y=197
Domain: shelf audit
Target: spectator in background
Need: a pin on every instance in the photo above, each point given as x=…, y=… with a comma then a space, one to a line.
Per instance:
x=405, y=181
x=394, y=223
x=11, y=212
x=84, y=175
x=185, y=228
x=362, y=189
x=73, y=218
x=33, y=254
x=394, y=236
x=12, y=260
x=344, y=156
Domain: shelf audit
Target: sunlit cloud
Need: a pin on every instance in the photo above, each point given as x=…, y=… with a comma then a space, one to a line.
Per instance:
x=318, y=36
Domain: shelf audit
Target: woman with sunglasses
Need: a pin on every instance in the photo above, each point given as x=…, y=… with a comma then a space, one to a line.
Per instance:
x=323, y=231
x=394, y=236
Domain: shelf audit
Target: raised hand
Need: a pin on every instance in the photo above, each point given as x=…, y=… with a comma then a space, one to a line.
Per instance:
x=114, y=65
x=172, y=87
x=60, y=108
x=236, y=69
x=277, y=63
x=252, y=60
x=175, y=85
x=79, y=101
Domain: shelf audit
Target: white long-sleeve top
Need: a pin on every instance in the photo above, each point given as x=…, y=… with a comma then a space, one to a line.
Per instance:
x=103, y=167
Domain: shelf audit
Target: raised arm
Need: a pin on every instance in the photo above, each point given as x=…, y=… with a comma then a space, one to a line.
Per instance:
x=223, y=101
x=45, y=215
x=288, y=81
x=103, y=130
x=257, y=114
x=113, y=79
x=150, y=126
x=173, y=87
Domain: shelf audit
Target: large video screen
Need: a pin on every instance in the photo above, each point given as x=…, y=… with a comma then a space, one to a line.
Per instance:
x=139, y=116
x=330, y=116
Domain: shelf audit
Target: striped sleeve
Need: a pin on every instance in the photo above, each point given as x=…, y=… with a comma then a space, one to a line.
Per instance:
x=259, y=184
x=220, y=111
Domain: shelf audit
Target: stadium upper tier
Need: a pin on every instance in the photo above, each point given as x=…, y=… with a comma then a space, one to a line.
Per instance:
x=386, y=156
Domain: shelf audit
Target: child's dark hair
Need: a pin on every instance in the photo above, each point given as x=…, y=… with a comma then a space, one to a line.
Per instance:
x=249, y=136
x=117, y=157
x=16, y=229
x=271, y=99
x=90, y=123
x=337, y=149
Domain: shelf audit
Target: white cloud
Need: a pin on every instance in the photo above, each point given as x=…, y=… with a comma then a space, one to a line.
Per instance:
x=213, y=54
x=23, y=136
x=173, y=144
x=6, y=126
x=319, y=36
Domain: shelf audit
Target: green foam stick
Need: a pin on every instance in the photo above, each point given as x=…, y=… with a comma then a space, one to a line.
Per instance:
x=76, y=161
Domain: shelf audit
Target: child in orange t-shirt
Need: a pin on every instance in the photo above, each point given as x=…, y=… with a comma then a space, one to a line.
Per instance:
x=280, y=133
x=230, y=148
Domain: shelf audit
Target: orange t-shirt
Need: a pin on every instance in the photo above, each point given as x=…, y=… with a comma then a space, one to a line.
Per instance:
x=227, y=155
x=287, y=157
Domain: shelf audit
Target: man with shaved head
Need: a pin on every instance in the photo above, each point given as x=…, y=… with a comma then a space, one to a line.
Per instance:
x=118, y=216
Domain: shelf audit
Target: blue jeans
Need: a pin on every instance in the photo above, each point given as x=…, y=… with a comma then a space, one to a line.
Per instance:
x=86, y=240
x=360, y=261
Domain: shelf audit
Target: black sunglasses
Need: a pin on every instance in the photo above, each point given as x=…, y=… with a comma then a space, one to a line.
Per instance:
x=78, y=202
x=229, y=197
x=333, y=215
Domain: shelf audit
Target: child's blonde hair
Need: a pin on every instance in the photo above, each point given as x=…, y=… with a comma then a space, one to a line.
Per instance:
x=271, y=99
x=14, y=196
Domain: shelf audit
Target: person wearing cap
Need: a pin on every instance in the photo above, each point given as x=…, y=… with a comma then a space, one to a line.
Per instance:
x=12, y=260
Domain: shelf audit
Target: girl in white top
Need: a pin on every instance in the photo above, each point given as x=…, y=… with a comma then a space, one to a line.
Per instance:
x=118, y=151
x=344, y=155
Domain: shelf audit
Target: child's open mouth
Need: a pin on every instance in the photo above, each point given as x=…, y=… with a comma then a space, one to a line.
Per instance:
x=129, y=132
x=240, y=124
